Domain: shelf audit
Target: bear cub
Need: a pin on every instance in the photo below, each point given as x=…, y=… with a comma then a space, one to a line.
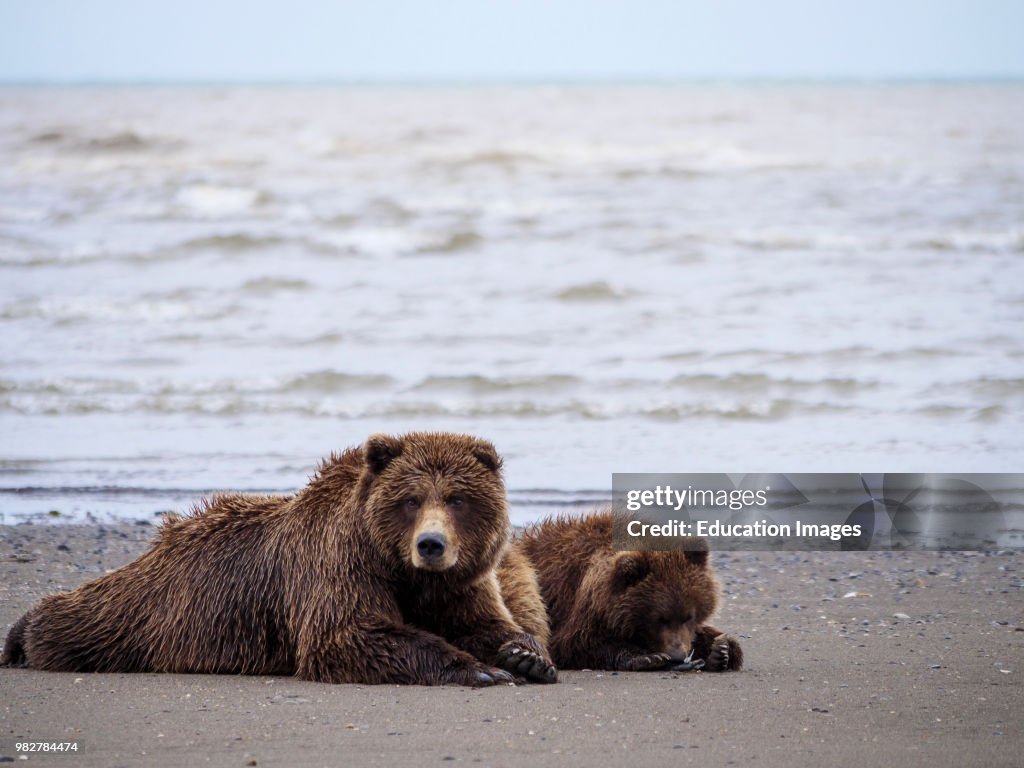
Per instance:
x=624, y=610
x=381, y=570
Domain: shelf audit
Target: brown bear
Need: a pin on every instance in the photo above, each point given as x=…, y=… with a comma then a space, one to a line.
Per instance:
x=634, y=610
x=381, y=570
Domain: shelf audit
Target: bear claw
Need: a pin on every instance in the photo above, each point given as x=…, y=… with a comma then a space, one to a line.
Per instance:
x=526, y=664
x=482, y=679
x=687, y=664
x=718, y=659
x=502, y=676
x=645, y=662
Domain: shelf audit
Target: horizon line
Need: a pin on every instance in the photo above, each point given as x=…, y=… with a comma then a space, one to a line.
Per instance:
x=512, y=81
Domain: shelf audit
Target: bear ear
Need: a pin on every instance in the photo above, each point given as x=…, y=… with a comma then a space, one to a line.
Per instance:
x=630, y=568
x=380, y=451
x=487, y=455
x=697, y=552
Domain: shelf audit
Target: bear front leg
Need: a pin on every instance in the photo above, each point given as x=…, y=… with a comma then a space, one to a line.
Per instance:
x=395, y=654
x=638, y=660
x=579, y=651
x=484, y=628
x=719, y=651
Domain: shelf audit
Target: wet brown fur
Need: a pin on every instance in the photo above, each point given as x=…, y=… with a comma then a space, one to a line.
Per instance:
x=521, y=592
x=321, y=584
x=622, y=610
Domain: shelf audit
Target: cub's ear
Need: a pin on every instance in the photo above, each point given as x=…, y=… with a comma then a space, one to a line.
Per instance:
x=380, y=451
x=628, y=569
x=487, y=455
x=697, y=552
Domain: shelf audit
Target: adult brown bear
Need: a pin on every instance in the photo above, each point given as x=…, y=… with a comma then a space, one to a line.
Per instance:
x=381, y=570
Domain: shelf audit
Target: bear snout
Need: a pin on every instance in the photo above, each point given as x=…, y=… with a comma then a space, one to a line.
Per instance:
x=434, y=544
x=431, y=546
x=677, y=643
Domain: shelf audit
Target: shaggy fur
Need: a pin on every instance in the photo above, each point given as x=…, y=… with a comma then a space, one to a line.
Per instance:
x=330, y=585
x=622, y=610
x=521, y=592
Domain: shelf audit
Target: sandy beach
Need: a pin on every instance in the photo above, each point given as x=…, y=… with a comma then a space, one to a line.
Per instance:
x=920, y=665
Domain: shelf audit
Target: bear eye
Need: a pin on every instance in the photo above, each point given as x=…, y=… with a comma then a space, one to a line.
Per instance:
x=412, y=503
x=457, y=501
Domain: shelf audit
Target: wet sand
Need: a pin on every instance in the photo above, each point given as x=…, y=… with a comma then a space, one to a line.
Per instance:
x=921, y=666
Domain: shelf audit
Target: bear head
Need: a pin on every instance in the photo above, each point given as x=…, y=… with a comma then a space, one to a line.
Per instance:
x=652, y=599
x=436, y=501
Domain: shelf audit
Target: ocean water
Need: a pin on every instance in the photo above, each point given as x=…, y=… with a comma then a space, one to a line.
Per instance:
x=212, y=288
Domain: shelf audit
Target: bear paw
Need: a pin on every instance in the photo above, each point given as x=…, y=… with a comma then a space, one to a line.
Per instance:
x=494, y=676
x=526, y=663
x=478, y=677
x=646, y=662
x=689, y=663
x=725, y=654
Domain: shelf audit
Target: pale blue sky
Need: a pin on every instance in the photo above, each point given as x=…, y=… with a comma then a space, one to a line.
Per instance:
x=87, y=40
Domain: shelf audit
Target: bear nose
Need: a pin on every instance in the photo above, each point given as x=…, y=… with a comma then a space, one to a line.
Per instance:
x=431, y=545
